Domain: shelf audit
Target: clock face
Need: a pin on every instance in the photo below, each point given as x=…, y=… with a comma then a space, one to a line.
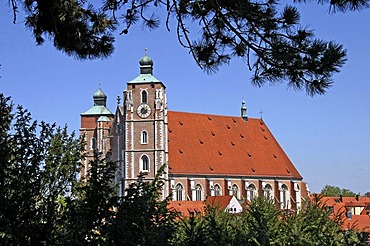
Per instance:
x=143, y=110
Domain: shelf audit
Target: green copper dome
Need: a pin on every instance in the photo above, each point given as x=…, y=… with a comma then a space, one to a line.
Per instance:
x=146, y=71
x=146, y=61
x=99, y=94
x=100, y=102
x=146, y=65
x=100, y=99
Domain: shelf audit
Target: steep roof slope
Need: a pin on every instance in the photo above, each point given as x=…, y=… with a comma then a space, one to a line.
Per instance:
x=224, y=145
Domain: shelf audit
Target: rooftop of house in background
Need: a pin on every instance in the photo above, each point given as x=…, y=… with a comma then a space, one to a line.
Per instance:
x=197, y=208
x=355, y=210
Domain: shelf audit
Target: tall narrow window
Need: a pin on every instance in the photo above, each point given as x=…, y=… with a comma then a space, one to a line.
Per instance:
x=235, y=191
x=179, y=190
x=198, y=192
x=118, y=183
x=251, y=191
x=144, y=137
x=93, y=143
x=144, y=97
x=267, y=192
x=217, y=190
x=284, y=197
x=145, y=163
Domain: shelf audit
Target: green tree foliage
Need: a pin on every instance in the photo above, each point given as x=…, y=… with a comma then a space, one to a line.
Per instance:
x=330, y=190
x=265, y=228
x=313, y=225
x=214, y=228
x=266, y=35
x=90, y=211
x=263, y=224
x=42, y=202
x=75, y=27
x=38, y=167
x=142, y=215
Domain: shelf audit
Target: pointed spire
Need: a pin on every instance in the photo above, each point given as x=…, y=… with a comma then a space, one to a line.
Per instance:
x=243, y=111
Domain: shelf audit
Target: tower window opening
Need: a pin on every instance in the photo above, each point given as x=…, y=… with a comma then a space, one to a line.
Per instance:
x=93, y=144
x=145, y=163
x=144, y=97
x=144, y=137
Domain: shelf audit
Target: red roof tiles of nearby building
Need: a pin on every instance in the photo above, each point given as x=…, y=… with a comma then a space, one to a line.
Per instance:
x=225, y=145
x=220, y=202
x=360, y=221
x=187, y=208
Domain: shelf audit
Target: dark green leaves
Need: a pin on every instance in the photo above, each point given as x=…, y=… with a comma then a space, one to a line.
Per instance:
x=38, y=167
x=330, y=190
x=263, y=224
x=268, y=38
x=43, y=202
x=273, y=44
x=76, y=29
x=142, y=215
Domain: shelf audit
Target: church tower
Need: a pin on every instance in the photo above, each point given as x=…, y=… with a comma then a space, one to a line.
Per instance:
x=95, y=128
x=145, y=146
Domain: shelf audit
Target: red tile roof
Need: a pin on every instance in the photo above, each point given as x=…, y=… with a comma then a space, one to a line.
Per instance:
x=224, y=145
x=198, y=207
x=186, y=208
x=220, y=202
x=359, y=222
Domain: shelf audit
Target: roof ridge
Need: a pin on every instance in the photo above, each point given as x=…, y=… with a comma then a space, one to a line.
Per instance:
x=216, y=115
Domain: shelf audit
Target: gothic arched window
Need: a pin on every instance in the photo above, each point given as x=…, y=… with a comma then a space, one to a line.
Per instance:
x=144, y=96
x=144, y=137
x=284, y=196
x=145, y=163
x=179, y=190
x=235, y=190
x=267, y=191
x=198, y=192
x=93, y=144
x=217, y=190
x=251, y=192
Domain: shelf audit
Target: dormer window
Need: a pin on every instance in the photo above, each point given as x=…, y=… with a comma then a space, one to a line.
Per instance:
x=144, y=137
x=144, y=97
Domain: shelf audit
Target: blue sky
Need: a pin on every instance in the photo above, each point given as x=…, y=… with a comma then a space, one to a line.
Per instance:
x=326, y=137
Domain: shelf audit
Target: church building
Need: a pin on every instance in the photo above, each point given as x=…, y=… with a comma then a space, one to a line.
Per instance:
x=204, y=154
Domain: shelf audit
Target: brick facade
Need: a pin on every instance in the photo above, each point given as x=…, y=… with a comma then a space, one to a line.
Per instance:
x=205, y=155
